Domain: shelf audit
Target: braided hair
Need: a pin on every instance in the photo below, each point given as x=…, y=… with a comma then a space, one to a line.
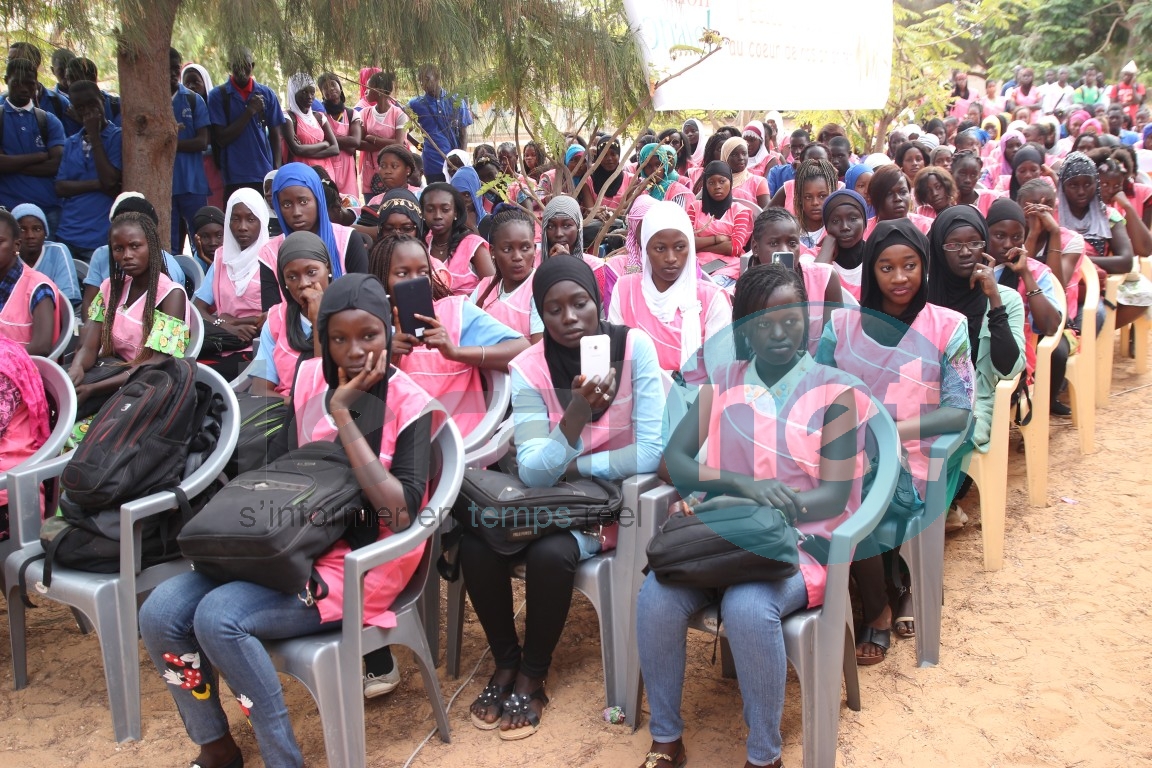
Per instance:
x=753, y=290
x=812, y=170
x=771, y=215
x=505, y=217
x=380, y=263
x=116, y=276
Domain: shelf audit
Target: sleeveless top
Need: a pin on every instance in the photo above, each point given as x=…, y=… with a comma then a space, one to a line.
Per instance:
x=270, y=251
x=406, y=403
x=284, y=357
x=246, y=304
x=344, y=164
x=387, y=126
x=461, y=277
x=314, y=134
x=16, y=317
x=628, y=295
x=128, y=320
x=515, y=311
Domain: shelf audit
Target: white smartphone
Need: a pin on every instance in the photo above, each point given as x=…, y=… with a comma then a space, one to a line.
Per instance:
x=595, y=358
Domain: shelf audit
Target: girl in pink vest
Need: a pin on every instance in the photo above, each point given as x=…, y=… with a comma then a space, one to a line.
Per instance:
x=566, y=425
x=507, y=295
x=308, y=134
x=630, y=259
x=30, y=306
x=892, y=199
x=966, y=169
x=450, y=240
x=298, y=201
x=347, y=127
x=304, y=271
x=139, y=312
x=230, y=296
x=384, y=124
x=763, y=417
x=198, y=630
x=460, y=340
x=657, y=172
x=745, y=184
x=24, y=425
x=915, y=358
x=668, y=301
x=601, y=181
x=563, y=235
x=776, y=230
x=815, y=181
x=845, y=212
x=721, y=228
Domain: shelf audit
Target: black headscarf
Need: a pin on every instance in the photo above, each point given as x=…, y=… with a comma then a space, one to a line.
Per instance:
x=1026, y=154
x=716, y=208
x=600, y=175
x=207, y=215
x=848, y=258
x=888, y=233
x=358, y=291
x=1007, y=210
x=947, y=289
x=402, y=201
x=298, y=245
x=564, y=362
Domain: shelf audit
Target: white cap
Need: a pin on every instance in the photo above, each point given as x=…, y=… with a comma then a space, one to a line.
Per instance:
x=1130, y=67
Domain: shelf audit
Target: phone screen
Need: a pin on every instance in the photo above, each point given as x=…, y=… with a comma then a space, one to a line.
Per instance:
x=413, y=297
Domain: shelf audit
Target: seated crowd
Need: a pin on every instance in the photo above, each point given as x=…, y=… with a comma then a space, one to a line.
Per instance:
x=923, y=275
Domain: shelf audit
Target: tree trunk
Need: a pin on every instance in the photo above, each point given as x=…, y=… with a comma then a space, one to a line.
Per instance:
x=149, y=139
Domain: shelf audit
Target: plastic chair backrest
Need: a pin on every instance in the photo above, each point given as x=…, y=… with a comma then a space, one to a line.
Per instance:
x=193, y=272
x=498, y=397
x=81, y=271
x=67, y=330
x=756, y=209
x=195, y=334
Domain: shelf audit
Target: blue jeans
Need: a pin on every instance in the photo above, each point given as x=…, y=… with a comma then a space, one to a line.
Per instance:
x=197, y=629
x=751, y=614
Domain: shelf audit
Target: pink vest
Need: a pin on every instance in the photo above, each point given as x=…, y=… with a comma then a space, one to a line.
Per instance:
x=128, y=321
x=611, y=202
x=344, y=164
x=816, y=277
x=386, y=128
x=985, y=198
x=406, y=403
x=629, y=296
x=750, y=432
x=283, y=356
x=754, y=185
x=16, y=317
x=307, y=134
x=612, y=431
x=270, y=252
x=246, y=304
x=457, y=386
x=515, y=311
x=922, y=223
x=906, y=378
x=462, y=279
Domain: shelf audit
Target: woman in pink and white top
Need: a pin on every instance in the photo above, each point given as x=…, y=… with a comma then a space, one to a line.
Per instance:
x=384, y=123
x=658, y=175
x=348, y=127
x=507, y=295
x=967, y=168
x=24, y=424
x=308, y=134
x=451, y=241
x=760, y=158
x=457, y=343
x=601, y=180
x=892, y=198
x=721, y=227
x=230, y=296
x=668, y=301
x=629, y=259
x=31, y=308
x=139, y=313
x=563, y=235
x=198, y=630
x=744, y=183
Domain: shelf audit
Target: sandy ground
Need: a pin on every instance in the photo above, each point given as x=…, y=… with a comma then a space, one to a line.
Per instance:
x=1042, y=662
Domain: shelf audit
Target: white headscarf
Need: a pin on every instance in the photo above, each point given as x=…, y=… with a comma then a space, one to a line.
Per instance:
x=681, y=295
x=698, y=153
x=876, y=160
x=762, y=155
x=774, y=117
x=203, y=76
x=297, y=83
x=465, y=158
x=244, y=264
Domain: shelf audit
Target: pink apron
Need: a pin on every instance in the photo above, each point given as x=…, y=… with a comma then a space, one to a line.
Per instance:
x=515, y=311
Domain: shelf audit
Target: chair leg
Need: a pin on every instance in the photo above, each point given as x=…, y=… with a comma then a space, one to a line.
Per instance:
x=82, y=622
x=927, y=568
x=820, y=707
x=851, y=672
x=1140, y=328
x=993, y=504
x=410, y=635
x=1084, y=416
x=430, y=601
x=339, y=696
x=121, y=654
x=17, y=638
x=455, y=630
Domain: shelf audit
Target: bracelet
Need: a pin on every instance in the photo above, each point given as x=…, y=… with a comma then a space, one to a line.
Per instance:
x=1034, y=292
x=483, y=356
x=219, y=321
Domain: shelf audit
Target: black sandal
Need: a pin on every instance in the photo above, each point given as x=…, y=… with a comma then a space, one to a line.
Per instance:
x=492, y=695
x=881, y=638
x=519, y=705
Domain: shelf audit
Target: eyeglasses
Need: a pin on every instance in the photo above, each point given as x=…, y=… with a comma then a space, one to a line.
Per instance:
x=957, y=247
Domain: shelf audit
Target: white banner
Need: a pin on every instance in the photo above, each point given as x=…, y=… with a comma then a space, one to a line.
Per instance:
x=780, y=56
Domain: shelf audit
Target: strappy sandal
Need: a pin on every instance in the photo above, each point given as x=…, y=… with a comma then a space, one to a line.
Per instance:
x=492, y=696
x=519, y=705
x=678, y=760
x=904, y=625
x=881, y=638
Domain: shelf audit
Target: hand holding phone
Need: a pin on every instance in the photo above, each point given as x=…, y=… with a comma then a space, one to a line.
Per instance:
x=787, y=258
x=595, y=357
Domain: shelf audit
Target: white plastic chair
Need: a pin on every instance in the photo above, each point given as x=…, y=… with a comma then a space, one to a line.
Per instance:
x=329, y=664
x=67, y=330
x=195, y=334
x=989, y=472
x=1081, y=370
x=107, y=600
x=81, y=271
x=819, y=642
x=193, y=272
x=497, y=398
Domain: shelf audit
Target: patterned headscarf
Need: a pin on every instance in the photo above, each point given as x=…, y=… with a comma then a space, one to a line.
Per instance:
x=667, y=157
x=1094, y=225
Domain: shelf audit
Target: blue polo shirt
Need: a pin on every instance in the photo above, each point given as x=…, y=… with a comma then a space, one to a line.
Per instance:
x=117, y=117
x=22, y=137
x=778, y=174
x=440, y=119
x=248, y=159
x=84, y=221
x=188, y=169
x=99, y=264
x=55, y=103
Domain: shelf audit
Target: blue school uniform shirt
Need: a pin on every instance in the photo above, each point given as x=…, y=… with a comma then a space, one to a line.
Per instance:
x=114, y=116
x=56, y=264
x=440, y=119
x=777, y=175
x=22, y=137
x=188, y=168
x=55, y=103
x=98, y=267
x=248, y=159
x=84, y=221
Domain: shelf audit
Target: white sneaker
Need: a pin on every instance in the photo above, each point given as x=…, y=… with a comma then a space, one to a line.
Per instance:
x=378, y=686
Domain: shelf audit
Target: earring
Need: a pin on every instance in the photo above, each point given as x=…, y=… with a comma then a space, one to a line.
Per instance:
x=329, y=276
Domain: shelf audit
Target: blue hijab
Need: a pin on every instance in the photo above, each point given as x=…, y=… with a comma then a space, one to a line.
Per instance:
x=851, y=177
x=467, y=180
x=300, y=175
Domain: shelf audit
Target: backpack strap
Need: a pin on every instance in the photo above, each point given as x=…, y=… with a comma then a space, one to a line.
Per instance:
x=41, y=124
x=23, y=577
x=114, y=106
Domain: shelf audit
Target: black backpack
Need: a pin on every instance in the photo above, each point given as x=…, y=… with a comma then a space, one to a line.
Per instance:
x=267, y=432
x=269, y=525
x=138, y=442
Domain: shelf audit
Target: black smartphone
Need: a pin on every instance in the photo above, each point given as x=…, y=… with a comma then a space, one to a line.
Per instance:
x=413, y=297
x=787, y=258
